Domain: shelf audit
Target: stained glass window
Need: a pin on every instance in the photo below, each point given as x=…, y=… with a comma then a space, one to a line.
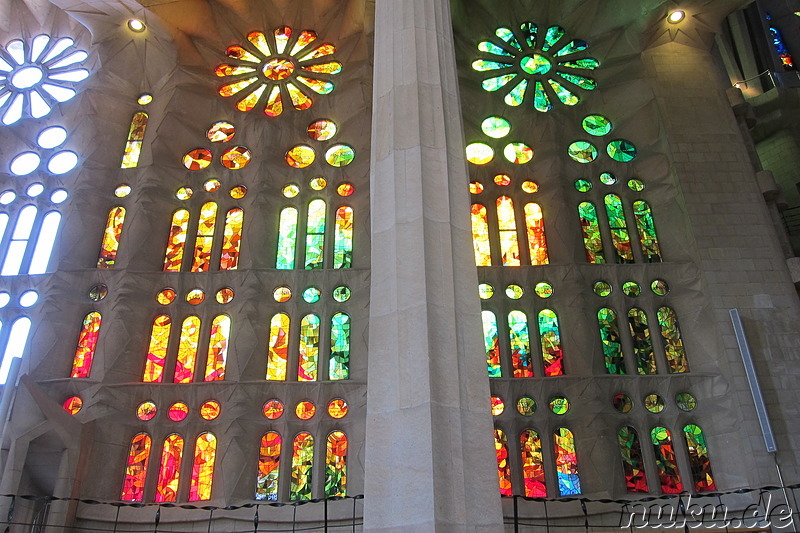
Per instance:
x=503, y=466
x=619, y=229
x=480, y=236
x=218, y=348
x=19, y=241
x=532, y=464
x=231, y=240
x=509, y=247
x=632, y=462
x=609, y=338
x=491, y=344
x=44, y=243
x=187, y=350
x=287, y=239
x=550, y=337
x=590, y=228
x=136, y=468
x=302, y=461
x=315, y=235
x=133, y=148
x=343, y=238
x=339, y=363
x=111, y=237
x=87, y=342
x=569, y=483
x=205, y=454
x=169, y=471
x=698, y=459
x=157, y=349
x=665, y=461
x=673, y=343
x=537, y=243
x=309, y=348
x=336, y=465
x=269, y=461
x=278, y=347
x=647, y=231
x=177, y=241
x=642, y=344
x=205, y=237
x=520, y=344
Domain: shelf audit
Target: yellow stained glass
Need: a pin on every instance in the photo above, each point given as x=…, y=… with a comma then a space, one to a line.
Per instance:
x=299, y=100
x=177, y=241
x=236, y=158
x=229, y=89
x=195, y=296
x=300, y=156
x=274, y=102
x=197, y=159
x=333, y=67
x=269, y=460
x=306, y=37
x=302, y=462
x=165, y=296
x=232, y=70
x=336, y=465
x=237, y=52
x=87, y=342
x=187, y=350
x=205, y=237
x=537, y=243
x=337, y=408
x=282, y=36
x=220, y=132
x=231, y=240
x=170, y=469
x=509, y=247
x=218, y=348
x=205, y=454
x=321, y=51
x=278, y=347
x=73, y=405
x=480, y=236
x=318, y=86
x=136, y=469
x=309, y=348
x=111, y=238
x=133, y=148
x=157, y=350
x=305, y=410
x=259, y=40
x=210, y=410
x=146, y=411
x=273, y=409
x=249, y=102
x=479, y=153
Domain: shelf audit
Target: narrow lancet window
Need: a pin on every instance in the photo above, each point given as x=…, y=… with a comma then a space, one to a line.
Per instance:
x=19, y=241
x=532, y=464
x=647, y=231
x=620, y=237
x=205, y=454
x=205, y=237
x=480, y=236
x=343, y=238
x=491, y=344
x=218, y=348
x=169, y=472
x=632, y=462
x=537, y=243
x=503, y=467
x=507, y=223
x=339, y=364
x=569, y=483
x=665, y=461
x=642, y=343
x=302, y=461
x=136, y=468
x=269, y=462
x=336, y=465
x=187, y=350
x=231, y=240
x=87, y=343
x=157, y=350
x=550, y=337
x=309, y=348
x=520, y=344
x=287, y=239
x=111, y=237
x=133, y=148
x=590, y=228
x=278, y=355
x=315, y=235
x=44, y=243
x=673, y=343
x=609, y=339
x=698, y=459
x=173, y=258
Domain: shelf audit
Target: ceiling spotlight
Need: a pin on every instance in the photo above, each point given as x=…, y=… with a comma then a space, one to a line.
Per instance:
x=136, y=25
x=676, y=16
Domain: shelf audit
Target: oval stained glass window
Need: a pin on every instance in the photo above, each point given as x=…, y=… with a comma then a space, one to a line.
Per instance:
x=178, y=411
x=238, y=192
x=502, y=180
x=345, y=189
x=583, y=185
x=165, y=296
x=631, y=288
x=340, y=155
x=236, y=158
x=195, y=296
x=282, y=294
x=197, y=159
x=341, y=293
x=659, y=287
x=636, y=185
x=184, y=193
x=602, y=288
x=514, y=292
x=291, y=190
x=58, y=196
x=300, y=156
x=582, y=152
x=526, y=406
x=608, y=178
x=7, y=197
x=24, y=163
x=322, y=130
x=4, y=299
x=686, y=402
x=212, y=185
x=559, y=405
x=498, y=406
x=475, y=187
x=210, y=410
x=496, y=127
x=146, y=411
x=51, y=137
x=122, y=190
x=479, y=153
x=597, y=125
x=311, y=295
x=273, y=409
x=318, y=183
x=622, y=403
x=34, y=190
x=98, y=292
x=530, y=187
x=543, y=289
x=654, y=403
x=305, y=410
x=621, y=150
x=518, y=153
x=221, y=132
x=224, y=295
x=73, y=405
x=337, y=408
x=485, y=291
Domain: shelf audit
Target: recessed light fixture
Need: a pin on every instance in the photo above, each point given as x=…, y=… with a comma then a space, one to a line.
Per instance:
x=136, y=25
x=676, y=16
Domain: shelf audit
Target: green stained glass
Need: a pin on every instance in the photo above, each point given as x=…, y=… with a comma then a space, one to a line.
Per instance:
x=336, y=465
x=654, y=403
x=309, y=348
x=636, y=185
x=559, y=405
x=610, y=340
x=659, y=287
x=621, y=150
x=343, y=238
x=540, y=100
x=492, y=48
x=622, y=403
x=287, y=238
x=485, y=291
x=514, y=292
x=553, y=35
x=518, y=153
x=498, y=82
x=631, y=288
x=315, y=235
x=673, y=343
x=508, y=36
x=520, y=344
x=566, y=96
x=302, y=462
x=647, y=231
x=517, y=94
x=596, y=125
x=535, y=64
x=583, y=185
x=340, y=155
x=550, y=338
x=581, y=81
x=311, y=295
x=698, y=459
x=601, y=288
x=572, y=47
x=482, y=65
x=496, y=127
x=668, y=475
x=543, y=290
x=608, y=178
x=619, y=229
x=686, y=402
x=582, y=152
x=339, y=364
x=526, y=406
x=592, y=240
x=341, y=293
x=588, y=63
x=491, y=344
x=642, y=344
x=529, y=30
x=633, y=463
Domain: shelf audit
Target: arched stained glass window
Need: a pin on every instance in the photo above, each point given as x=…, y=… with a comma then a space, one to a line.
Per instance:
x=269, y=461
x=205, y=237
x=205, y=454
x=698, y=459
x=673, y=343
x=218, y=348
x=507, y=223
x=231, y=240
x=87, y=342
x=136, y=468
x=532, y=464
x=173, y=257
x=44, y=243
x=609, y=339
x=309, y=348
x=302, y=461
x=169, y=471
x=632, y=462
x=537, y=243
x=647, y=231
x=157, y=350
x=503, y=467
x=15, y=346
x=665, y=461
x=491, y=344
x=569, y=483
x=550, y=337
x=336, y=465
x=590, y=228
x=19, y=241
x=133, y=148
x=520, y=344
x=339, y=364
x=315, y=235
x=343, y=238
x=187, y=350
x=111, y=237
x=642, y=344
x=278, y=347
x=480, y=236
x=287, y=239
x=620, y=237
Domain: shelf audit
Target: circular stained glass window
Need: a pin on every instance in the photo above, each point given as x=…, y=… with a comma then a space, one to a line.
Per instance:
x=4, y=299
x=341, y=293
x=166, y=296
x=311, y=295
x=636, y=185
x=340, y=155
x=98, y=292
x=28, y=299
x=337, y=408
x=485, y=291
x=282, y=294
x=514, y=292
x=559, y=405
x=34, y=190
x=596, y=125
x=273, y=409
x=305, y=410
x=345, y=189
x=7, y=197
x=184, y=193
x=518, y=153
x=197, y=159
x=530, y=187
x=502, y=180
x=602, y=288
x=526, y=406
x=210, y=410
x=583, y=185
x=300, y=156
x=654, y=403
x=221, y=132
x=146, y=411
x=225, y=295
x=291, y=190
x=144, y=99
x=51, y=137
x=238, y=192
x=582, y=152
x=195, y=296
x=686, y=402
x=608, y=178
x=622, y=403
x=631, y=288
x=212, y=185
x=236, y=158
x=543, y=289
x=496, y=127
x=58, y=196
x=659, y=287
x=73, y=405
x=122, y=190
x=318, y=183
x=178, y=411
x=498, y=406
x=479, y=153
x=322, y=130
x=475, y=187
x=621, y=150
x=24, y=163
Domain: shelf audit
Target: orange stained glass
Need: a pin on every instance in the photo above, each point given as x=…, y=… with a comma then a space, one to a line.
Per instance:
x=336, y=465
x=212, y=185
x=136, y=468
x=224, y=295
x=187, y=350
x=231, y=239
x=318, y=86
x=166, y=296
x=509, y=247
x=300, y=156
x=221, y=132
x=229, y=89
x=322, y=130
x=282, y=35
x=299, y=100
x=305, y=410
x=306, y=37
x=87, y=342
x=277, y=69
x=249, y=102
x=309, y=348
x=273, y=409
x=274, y=105
x=259, y=40
x=133, y=148
x=480, y=236
x=205, y=454
x=178, y=411
x=278, y=347
x=532, y=464
x=73, y=405
x=157, y=350
x=343, y=238
x=321, y=51
x=503, y=468
x=302, y=461
x=177, y=241
x=269, y=460
x=238, y=192
x=205, y=237
x=111, y=237
x=345, y=189
x=232, y=70
x=146, y=411
x=210, y=410
x=236, y=158
x=237, y=52
x=331, y=67
x=537, y=243
x=197, y=159
x=195, y=296
x=170, y=469
x=337, y=408
x=218, y=348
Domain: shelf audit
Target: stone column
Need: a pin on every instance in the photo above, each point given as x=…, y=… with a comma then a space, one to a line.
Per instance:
x=430, y=462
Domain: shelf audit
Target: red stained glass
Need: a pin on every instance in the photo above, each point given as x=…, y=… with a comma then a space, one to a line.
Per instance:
x=345, y=189
x=73, y=405
x=305, y=410
x=698, y=459
x=170, y=469
x=87, y=342
x=236, y=158
x=632, y=461
x=187, y=350
x=157, y=350
x=218, y=348
x=205, y=454
x=178, y=411
x=177, y=241
x=503, y=468
x=231, y=240
x=197, y=159
x=111, y=237
x=146, y=411
x=537, y=243
x=136, y=469
x=668, y=474
x=337, y=408
x=532, y=464
x=269, y=461
x=273, y=409
x=205, y=237
x=210, y=410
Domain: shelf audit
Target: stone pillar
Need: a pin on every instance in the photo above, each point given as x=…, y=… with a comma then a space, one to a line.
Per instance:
x=430, y=462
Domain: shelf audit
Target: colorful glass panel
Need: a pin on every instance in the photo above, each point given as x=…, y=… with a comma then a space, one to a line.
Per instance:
x=187, y=350
x=177, y=241
x=520, y=344
x=302, y=462
x=619, y=229
x=668, y=474
x=647, y=231
x=337, y=408
x=590, y=228
x=491, y=344
x=610, y=341
x=315, y=235
x=632, y=462
x=532, y=464
x=157, y=350
x=503, y=466
x=205, y=454
x=269, y=461
x=509, y=247
x=278, y=347
x=339, y=363
x=218, y=348
x=309, y=348
x=287, y=239
x=136, y=468
x=673, y=343
x=231, y=240
x=550, y=337
x=133, y=148
x=210, y=410
x=205, y=237
x=343, y=238
x=273, y=409
x=480, y=236
x=111, y=237
x=537, y=243
x=336, y=465
x=178, y=411
x=146, y=411
x=642, y=344
x=170, y=469
x=698, y=459
x=569, y=483
x=87, y=342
